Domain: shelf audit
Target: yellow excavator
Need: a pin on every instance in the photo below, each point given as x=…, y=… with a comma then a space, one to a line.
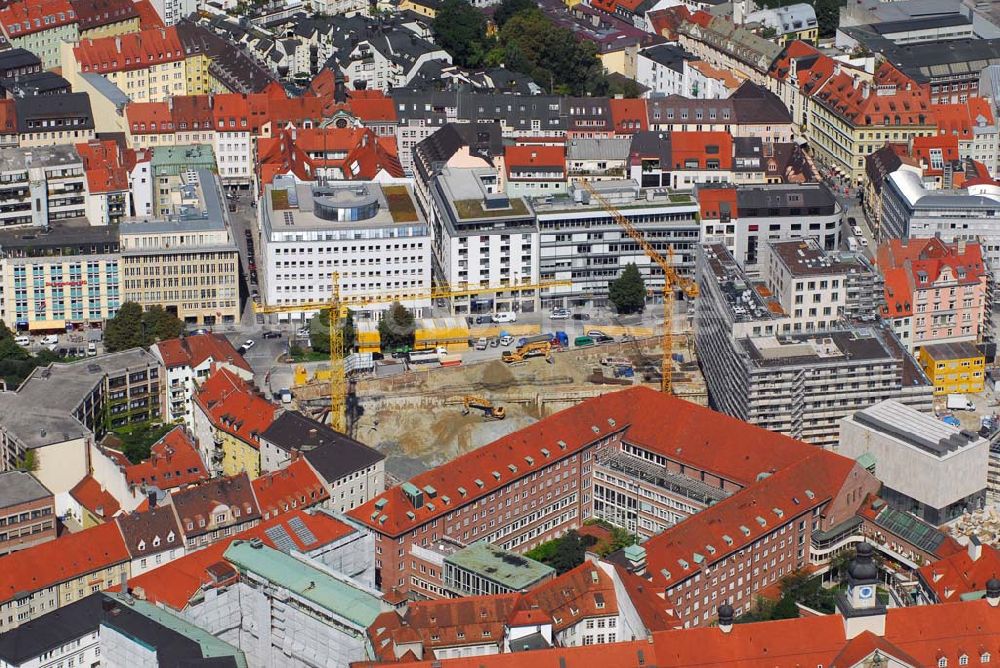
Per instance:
x=533, y=349
x=489, y=410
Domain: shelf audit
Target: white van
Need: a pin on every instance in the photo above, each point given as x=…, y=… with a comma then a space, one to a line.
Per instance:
x=23, y=341
x=506, y=316
x=91, y=349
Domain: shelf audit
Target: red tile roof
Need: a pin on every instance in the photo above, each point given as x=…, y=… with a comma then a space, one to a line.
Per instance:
x=654, y=610
x=890, y=99
x=696, y=435
x=149, y=117
x=901, y=264
x=947, y=145
x=729, y=525
x=148, y=16
x=232, y=406
x=105, y=167
x=665, y=22
x=628, y=115
x=528, y=156
x=711, y=201
x=131, y=51
x=193, y=351
x=295, y=486
x=173, y=462
x=175, y=583
x=959, y=574
x=66, y=558
x=694, y=145
x=91, y=495
x=30, y=16
x=371, y=106
x=301, y=152
x=97, y=13
x=585, y=591
x=8, y=117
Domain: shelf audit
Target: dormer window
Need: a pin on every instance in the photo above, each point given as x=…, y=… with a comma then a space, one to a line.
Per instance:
x=170, y=537
x=142, y=545
x=156, y=541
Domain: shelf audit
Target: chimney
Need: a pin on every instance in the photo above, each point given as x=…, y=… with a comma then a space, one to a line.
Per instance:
x=975, y=548
x=151, y=498
x=961, y=251
x=726, y=615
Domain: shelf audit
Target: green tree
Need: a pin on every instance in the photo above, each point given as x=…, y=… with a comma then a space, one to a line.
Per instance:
x=570, y=553
x=29, y=463
x=785, y=609
x=460, y=29
x=509, y=8
x=628, y=292
x=397, y=328
x=319, y=334
x=124, y=331
x=159, y=324
x=554, y=57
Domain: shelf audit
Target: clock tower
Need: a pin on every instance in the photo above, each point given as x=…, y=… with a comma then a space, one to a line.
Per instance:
x=859, y=606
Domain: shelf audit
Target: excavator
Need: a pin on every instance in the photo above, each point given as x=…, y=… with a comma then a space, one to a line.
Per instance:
x=489, y=410
x=532, y=349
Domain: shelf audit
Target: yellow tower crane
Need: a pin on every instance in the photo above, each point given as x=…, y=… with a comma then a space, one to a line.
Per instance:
x=338, y=308
x=671, y=280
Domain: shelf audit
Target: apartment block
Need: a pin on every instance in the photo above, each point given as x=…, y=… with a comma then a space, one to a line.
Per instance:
x=187, y=262
x=54, y=120
x=68, y=278
x=372, y=235
x=40, y=27
x=936, y=292
x=798, y=382
x=954, y=368
x=746, y=218
x=41, y=185
x=27, y=512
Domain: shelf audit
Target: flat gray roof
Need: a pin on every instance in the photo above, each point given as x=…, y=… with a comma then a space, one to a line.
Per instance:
x=208, y=214
x=20, y=487
x=41, y=411
x=505, y=568
x=805, y=257
x=294, y=206
x=19, y=159
x=914, y=428
x=832, y=347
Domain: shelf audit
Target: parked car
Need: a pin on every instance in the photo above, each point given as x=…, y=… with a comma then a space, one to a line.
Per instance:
x=481, y=343
x=858, y=232
x=272, y=335
x=91, y=349
x=596, y=333
x=302, y=332
x=506, y=340
x=249, y=343
x=49, y=339
x=852, y=221
x=23, y=341
x=505, y=316
x=581, y=316
x=494, y=342
x=560, y=314
x=483, y=319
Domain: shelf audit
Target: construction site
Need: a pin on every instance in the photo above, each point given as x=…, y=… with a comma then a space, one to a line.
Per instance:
x=429, y=414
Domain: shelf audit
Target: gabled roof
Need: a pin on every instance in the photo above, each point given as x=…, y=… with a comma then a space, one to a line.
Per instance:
x=94, y=497
x=232, y=406
x=103, y=162
x=628, y=115
x=331, y=454
x=680, y=430
x=27, y=17
x=130, y=51
x=295, y=486
x=173, y=462
x=174, y=584
x=60, y=560
x=959, y=575
x=193, y=351
x=859, y=648
x=585, y=591
x=197, y=504
x=96, y=13
x=550, y=159
x=150, y=531
x=918, y=264
x=301, y=152
x=890, y=99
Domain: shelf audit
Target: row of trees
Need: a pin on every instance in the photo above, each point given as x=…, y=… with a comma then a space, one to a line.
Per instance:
x=526, y=41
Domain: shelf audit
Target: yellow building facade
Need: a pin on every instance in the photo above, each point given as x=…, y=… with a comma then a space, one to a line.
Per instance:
x=954, y=368
x=236, y=455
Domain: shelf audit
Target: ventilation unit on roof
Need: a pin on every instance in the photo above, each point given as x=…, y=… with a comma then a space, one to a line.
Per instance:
x=761, y=521
x=545, y=453
x=745, y=530
x=413, y=493
x=479, y=483
x=530, y=460
x=462, y=492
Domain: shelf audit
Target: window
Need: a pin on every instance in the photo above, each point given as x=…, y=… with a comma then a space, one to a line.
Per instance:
x=942, y=662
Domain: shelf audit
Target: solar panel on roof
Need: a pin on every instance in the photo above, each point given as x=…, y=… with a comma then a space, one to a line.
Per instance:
x=280, y=538
x=302, y=531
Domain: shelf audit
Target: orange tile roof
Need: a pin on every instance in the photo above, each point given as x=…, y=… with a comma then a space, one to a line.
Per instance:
x=628, y=115
x=149, y=117
x=66, y=558
x=891, y=99
x=148, y=16
x=301, y=152
x=654, y=610
x=665, y=22
x=728, y=79
x=959, y=574
x=232, y=406
x=193, y=351
x=712, y=441
x=104, y=165
x=371, y=106
x=8, y=117
x=173, y=462
x=796, y=489
x=30, y=16
x=711, y=201
x=295, y=486
x=954, y=120
x=525, y=156
x=131, y=51
x=946, y=144
x=692, y=145
x=585, y=591
x=91, y=495
x=901, y=264
x=174, y=584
